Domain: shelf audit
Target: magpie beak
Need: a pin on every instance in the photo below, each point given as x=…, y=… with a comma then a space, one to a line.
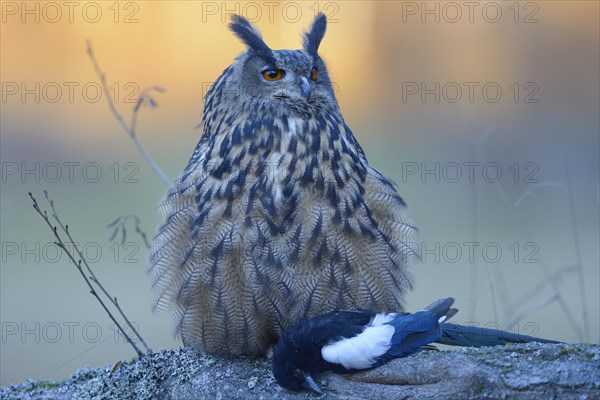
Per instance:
x=310, y=384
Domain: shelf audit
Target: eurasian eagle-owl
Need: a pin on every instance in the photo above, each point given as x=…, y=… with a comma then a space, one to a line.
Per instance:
x=277, y=217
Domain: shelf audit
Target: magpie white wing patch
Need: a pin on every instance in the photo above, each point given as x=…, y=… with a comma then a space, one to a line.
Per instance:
x=382, y=318
x=361, y=351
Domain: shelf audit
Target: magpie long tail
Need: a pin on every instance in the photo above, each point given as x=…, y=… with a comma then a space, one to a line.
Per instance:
x=471, y=336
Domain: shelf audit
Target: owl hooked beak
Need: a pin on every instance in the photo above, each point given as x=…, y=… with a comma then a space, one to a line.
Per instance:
x=305, y=87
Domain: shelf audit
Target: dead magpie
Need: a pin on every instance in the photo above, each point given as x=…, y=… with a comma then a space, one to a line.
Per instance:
x=346, y=341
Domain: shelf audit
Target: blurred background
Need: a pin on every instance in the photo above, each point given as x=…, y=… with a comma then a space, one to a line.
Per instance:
x=486, y=115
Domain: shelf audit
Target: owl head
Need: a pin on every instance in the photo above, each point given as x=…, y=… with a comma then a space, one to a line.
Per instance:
x=265, y=80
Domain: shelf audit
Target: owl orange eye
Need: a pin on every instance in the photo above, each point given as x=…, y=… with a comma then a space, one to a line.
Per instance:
x=313, y=74
x=273, y=74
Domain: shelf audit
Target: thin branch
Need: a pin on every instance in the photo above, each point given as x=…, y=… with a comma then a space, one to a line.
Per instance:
x=144, y=98
x=528, y=295
x=578, y=262
x=531, y=191
x=537, y=306
x=119, y=225
x=519, y=221
x=495, y=283
x=92, y=277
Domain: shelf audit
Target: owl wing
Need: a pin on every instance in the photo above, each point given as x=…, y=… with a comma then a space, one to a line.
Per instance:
x=351, y=245
x=353, y=256
x=208, y=265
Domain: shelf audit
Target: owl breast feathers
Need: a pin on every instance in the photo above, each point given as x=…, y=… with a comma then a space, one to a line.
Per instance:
x=277, y=217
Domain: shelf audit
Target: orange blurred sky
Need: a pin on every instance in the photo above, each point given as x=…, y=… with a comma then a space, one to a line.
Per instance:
x=51, y=112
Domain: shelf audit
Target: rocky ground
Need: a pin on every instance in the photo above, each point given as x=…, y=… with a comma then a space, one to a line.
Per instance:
x=526, y=371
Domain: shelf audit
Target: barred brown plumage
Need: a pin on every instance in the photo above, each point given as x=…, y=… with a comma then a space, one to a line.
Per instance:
x=277, y=217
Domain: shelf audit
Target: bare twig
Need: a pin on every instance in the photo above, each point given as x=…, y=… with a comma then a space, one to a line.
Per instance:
x=144, y=98
x=119, y=225
x=475, y=264
x=547, y=274
x=91, y=279
x=531, y=191
x=578, y=262
x=495, y=283
x=537, y=306
x=520, y=301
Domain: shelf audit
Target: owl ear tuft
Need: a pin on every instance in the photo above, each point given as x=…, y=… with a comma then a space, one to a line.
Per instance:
x=313, y=37
x=251, y=36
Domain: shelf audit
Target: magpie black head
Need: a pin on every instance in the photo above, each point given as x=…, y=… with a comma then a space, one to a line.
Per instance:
x=292, y=366
x=297, y=358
